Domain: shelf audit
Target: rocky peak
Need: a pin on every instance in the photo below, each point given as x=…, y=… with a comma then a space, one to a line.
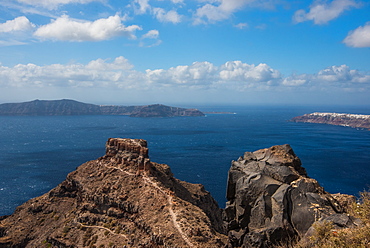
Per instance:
x=130, y=152
x=126, y=148
x=119, y=200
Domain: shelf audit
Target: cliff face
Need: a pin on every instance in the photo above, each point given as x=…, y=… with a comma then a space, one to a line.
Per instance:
x=119, y=200
x=58, y=107
x=272, y=201
x=71, y=107
x=349, y=120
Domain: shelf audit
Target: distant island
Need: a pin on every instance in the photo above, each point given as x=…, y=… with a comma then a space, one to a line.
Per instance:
x=72, y=107
x=347, y=120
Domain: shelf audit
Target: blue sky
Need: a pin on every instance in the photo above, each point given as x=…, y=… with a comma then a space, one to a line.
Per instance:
x=186, y=51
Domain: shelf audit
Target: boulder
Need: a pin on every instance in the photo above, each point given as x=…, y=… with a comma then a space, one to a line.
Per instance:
x=272, y=201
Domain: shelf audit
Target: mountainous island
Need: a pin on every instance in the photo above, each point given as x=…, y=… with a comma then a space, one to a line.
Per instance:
x=71, y=107
x=347, y=120
x=123, y=199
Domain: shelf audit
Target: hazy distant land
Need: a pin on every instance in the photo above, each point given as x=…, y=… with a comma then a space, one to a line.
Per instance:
x=72, y=107
x=348, y=120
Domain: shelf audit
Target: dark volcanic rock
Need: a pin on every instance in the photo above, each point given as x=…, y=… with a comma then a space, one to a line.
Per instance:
x=271, y=200
x=71, y=107
x=348, y=120
x=119, y=200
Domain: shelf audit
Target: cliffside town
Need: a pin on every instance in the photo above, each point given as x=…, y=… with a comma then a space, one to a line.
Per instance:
x=348, y=120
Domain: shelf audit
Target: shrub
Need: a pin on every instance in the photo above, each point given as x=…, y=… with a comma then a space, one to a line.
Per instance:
x=359, y=237
x=361, y=209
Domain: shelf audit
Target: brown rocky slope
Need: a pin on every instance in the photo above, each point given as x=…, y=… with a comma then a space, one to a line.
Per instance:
x=119, y=200
x=124, y=200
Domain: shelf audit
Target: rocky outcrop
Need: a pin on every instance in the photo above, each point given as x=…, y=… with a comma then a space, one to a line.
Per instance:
x=119, y=200
x=272, y=201
x=71, y=107
x=348, y=120
x=123, y=199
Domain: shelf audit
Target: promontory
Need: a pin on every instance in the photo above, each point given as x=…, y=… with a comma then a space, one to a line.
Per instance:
x=72, y=107
x=123, y=199
x=348, y=120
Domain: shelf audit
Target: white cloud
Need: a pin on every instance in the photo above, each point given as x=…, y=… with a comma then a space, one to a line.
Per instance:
x=332, y=77
x=67, y=29
x=162, y=15
x=152, y=34
x=360, y=37
x=141, y=6
x=241, y=25
x=218, y=10
x=170, y=16
x=53, y=4
x=96, y=73
x=119, y=63
x=232, y=75
x=16, y=32
x=242, y=72
x=199, y=74
x=322, y=12
x=296, y=80
x=11, y=43
x=241, y=76
x=338, y=74
x=211, y=13
x=18, y=24
x=27, y=9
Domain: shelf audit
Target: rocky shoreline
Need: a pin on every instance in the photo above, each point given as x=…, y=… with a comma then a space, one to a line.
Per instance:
x=347, y=120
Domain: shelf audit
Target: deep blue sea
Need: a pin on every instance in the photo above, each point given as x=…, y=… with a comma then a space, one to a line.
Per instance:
x=36, y=153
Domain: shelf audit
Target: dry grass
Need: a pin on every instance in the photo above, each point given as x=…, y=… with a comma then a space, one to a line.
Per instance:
x=325, y=236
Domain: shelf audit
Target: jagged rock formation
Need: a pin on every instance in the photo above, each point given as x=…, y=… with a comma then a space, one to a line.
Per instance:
x=71, y=107
x=272, y=201
x=119, y=200
x=348, y=120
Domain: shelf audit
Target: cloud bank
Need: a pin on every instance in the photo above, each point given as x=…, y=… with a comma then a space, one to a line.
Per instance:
x=232, y=75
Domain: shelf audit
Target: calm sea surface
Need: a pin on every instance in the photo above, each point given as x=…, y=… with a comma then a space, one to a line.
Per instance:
x=36, y=153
